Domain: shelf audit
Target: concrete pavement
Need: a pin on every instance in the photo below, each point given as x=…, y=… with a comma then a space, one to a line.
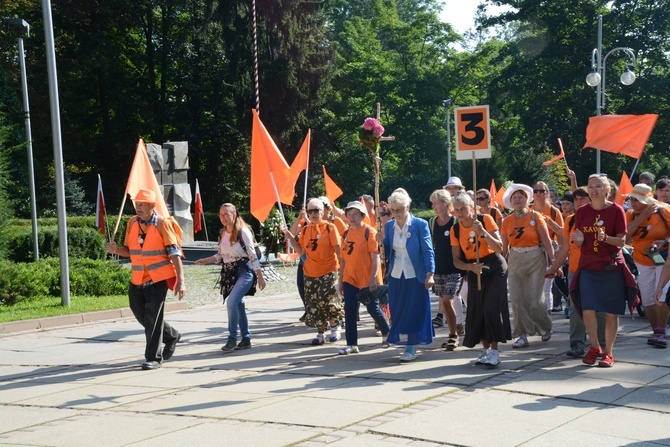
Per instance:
x=81, y=385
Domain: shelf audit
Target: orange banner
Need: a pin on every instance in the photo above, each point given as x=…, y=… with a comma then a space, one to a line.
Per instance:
x=267, y=166
x=332, y=190
x=620, y=134
x=142, y=177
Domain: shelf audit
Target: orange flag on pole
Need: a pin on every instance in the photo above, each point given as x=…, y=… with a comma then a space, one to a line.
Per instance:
x=332, y=190
x=499, y=197
x=492, y=189
x=620, y=134
x=100, y=211
x=625, y=188
x=300, y=163
x=269, y=172
x=556, y=158
x=197, y=209
x=142, y=177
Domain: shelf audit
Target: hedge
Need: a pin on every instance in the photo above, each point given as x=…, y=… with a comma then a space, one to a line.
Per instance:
x=21, y=281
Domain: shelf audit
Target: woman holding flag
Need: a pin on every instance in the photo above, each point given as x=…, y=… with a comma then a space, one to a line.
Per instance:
x=320, y=242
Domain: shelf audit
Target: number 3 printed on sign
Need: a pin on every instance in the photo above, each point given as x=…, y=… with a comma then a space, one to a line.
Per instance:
x=473, y=136
x=473, y=126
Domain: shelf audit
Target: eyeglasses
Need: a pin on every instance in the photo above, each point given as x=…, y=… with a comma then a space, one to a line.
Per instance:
x=481, y=199
x=397, y=210
x=313, y=211
x=539, y=191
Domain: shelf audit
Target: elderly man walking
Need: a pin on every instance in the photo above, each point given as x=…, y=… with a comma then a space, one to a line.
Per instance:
x=152, y=244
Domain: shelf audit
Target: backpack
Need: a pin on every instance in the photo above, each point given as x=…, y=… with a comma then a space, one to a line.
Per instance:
x=367, y=233
x=175, y=226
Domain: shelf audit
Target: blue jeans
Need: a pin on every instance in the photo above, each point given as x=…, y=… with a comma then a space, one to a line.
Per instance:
x=351, y=310
x=237, y=312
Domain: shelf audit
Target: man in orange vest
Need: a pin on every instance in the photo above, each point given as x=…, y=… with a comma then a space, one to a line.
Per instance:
x=153, y=247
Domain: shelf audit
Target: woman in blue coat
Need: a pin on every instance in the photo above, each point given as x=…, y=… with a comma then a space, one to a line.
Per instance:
x=409, y=249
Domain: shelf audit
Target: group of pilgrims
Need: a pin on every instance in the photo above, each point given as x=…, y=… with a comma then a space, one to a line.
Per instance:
x=529, y=255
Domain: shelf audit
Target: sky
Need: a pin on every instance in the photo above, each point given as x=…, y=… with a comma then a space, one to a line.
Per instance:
x=461, y=13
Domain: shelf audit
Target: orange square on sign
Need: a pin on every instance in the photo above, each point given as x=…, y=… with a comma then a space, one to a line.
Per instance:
x=472, y=128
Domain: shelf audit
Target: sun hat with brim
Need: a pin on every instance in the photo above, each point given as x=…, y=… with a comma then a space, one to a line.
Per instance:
x=356, y=206
x=454, y=181
x=643, y=194
x=146, y=196
x=514, y=187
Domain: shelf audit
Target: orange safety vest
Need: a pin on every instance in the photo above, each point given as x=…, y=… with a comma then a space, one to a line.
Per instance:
x=151, y=256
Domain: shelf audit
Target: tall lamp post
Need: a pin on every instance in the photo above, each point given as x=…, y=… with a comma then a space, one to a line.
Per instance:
x=447, y=106
x=597, y=76
x=21, y=28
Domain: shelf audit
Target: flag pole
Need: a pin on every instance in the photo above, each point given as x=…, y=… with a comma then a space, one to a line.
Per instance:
x=304, y=196
x=281, y=210
x=474, y=188
x=635, y=168
x=565, y=159
x=118, y=220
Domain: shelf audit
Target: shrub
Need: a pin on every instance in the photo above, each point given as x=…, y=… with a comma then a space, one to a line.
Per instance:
x=23, y=281
x=83, y=242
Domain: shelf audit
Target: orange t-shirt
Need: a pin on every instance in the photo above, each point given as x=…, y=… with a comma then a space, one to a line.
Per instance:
x=355, y=253
x=340, y=225
x=523, y=232
x=318, y=240
x=557, y=217
x=575, y=252
x=466, y=239
x=652, y=229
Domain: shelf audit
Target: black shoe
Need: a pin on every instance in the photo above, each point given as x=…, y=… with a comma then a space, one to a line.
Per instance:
x=244, y=344
x=230, y=345
x=575, y=352
x=169, y=348
x=151, y=365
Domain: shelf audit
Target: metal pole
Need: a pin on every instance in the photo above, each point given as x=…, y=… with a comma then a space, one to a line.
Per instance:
x=447, y=105
x=29, y=139
x=600, y=90
x=58, y=151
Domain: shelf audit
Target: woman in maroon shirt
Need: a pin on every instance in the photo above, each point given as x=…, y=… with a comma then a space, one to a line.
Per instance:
x=602, y=281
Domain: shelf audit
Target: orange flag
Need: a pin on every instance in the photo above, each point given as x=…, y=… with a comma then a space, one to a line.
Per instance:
x=142, y=177
x=300, y=163
x=499, y=197
x=620, y=134
x=332, y=190
x=267, y=165
x=556, y=158
x=492, y=189
x=625, y=187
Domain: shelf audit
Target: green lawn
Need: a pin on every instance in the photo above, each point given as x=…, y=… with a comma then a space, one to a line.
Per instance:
x=50, y=306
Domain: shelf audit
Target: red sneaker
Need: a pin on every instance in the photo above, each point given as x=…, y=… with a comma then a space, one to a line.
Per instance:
x=607, y=361
x=591, y=356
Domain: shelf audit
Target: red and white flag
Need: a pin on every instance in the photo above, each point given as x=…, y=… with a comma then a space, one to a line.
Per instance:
x=198, y=210
x=100, y=210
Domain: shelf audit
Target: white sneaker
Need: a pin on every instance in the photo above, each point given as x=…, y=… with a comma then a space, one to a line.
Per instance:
x=482, y=358
x=493, y=359
x=407, y=356
x=334, y=334
x=348, y=350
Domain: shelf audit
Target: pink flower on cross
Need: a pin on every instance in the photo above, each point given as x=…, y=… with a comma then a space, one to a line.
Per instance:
x=374, y=126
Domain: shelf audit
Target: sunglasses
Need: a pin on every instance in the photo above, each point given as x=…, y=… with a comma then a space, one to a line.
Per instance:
x=313, y=211
x=539, y=191
x=481, y=199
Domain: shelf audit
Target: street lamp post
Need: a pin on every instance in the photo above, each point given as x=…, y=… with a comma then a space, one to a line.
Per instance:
x=447, y=106
x=597, y=76
x=20, y=27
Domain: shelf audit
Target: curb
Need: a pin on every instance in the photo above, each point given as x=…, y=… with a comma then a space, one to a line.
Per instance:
x=40, y=324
